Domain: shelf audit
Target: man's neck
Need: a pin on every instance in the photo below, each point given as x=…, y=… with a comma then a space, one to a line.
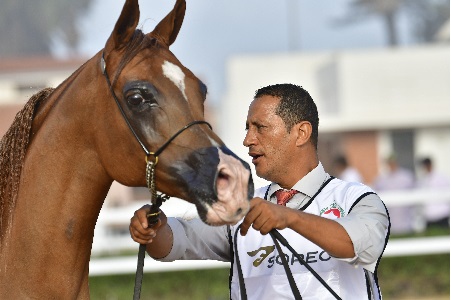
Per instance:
x=295, y=175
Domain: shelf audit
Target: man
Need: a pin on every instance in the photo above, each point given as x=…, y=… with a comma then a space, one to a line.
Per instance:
x=340, y=228
x=398, y=178
x=345, y=171
x=436, y=213
x=395, y=178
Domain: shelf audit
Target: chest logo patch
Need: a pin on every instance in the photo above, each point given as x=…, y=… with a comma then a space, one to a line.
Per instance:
x=264, y=253
x=333, y=211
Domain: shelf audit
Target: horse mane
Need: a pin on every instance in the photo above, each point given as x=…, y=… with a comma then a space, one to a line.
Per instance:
x=13, y=147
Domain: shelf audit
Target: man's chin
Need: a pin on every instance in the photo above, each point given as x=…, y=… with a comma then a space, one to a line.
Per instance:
x=260, y=173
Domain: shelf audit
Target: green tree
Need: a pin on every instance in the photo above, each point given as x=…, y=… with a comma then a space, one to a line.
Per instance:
x=425, y=16
x=27, y=27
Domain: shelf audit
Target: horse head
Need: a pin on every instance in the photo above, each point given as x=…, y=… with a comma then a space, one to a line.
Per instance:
x=162, y=104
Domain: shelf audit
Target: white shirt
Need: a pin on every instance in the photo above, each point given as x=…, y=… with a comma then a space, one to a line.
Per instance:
x=263, y=274
x=366, y=225
x=437, y=210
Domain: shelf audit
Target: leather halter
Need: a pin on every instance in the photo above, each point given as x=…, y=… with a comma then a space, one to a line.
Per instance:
x=156, y=200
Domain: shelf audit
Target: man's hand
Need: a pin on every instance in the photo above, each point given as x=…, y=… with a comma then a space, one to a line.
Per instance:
x=139, y=227
x=327, y=234
x=265, y=216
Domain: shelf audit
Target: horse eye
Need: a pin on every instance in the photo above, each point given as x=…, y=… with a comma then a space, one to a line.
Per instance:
x=135, y=99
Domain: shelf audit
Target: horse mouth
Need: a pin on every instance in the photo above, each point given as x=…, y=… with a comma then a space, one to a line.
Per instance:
x=217, y=214
x=222, y=180
x=220, y=185
x=231, y=186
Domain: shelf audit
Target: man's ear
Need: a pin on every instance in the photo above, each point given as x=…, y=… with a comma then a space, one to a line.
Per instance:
x=304, y=131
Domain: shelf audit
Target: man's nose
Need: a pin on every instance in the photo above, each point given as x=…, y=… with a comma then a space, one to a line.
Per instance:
x=248, y=139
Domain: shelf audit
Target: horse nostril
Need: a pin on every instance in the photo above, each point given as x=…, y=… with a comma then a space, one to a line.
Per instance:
x=222, y=175
x=222, y=180
x=239, y=211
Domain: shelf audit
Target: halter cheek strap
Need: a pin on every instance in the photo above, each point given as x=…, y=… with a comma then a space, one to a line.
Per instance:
x=153, y=215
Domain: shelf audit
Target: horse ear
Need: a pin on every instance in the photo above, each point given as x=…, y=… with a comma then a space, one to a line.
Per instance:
x=125, y=26
x=168, y=28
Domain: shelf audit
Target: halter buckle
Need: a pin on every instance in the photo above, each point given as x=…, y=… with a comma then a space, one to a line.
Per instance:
x=155, y=160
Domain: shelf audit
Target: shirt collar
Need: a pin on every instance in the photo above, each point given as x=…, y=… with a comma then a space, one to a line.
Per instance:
x=308, y=185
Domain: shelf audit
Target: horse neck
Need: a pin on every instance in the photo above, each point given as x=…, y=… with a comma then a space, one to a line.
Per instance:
x=63, y=183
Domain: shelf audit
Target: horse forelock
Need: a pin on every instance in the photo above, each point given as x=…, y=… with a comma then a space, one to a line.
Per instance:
x=13, y=147
x=138, y=42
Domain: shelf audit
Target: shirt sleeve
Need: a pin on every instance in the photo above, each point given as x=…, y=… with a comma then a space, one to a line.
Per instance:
x=367, y=226
x=195, y=240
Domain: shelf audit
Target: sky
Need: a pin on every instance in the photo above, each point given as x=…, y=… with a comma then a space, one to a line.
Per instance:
x=215, y=30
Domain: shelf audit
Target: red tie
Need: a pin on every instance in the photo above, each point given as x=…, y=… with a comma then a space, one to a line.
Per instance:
x=283, y=196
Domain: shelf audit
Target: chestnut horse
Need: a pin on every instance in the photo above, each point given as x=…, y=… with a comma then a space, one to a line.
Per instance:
x=65, y=148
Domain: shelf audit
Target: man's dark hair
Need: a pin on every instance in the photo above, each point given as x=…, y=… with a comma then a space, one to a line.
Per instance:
x=426, y=162
x=295, y=105
x=341, y=161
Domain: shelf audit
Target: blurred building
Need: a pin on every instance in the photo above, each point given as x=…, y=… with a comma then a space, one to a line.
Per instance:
x=372, y=102
x=22, y=77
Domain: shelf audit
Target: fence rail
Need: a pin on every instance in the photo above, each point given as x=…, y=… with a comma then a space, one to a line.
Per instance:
x=127, y=264
x=112, y=237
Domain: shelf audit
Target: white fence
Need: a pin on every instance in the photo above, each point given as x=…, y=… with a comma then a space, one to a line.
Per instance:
x=111, y=235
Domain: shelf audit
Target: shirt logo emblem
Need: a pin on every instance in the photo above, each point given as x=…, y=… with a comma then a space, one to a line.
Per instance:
x=264, y=253
x=333, y=211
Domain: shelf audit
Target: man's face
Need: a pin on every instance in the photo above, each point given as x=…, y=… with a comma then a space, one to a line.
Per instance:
x=270, y=145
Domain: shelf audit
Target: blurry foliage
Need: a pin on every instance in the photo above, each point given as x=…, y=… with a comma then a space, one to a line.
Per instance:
x=27, y=26
x=410, y=277
x=210, y=284
x=426, y=17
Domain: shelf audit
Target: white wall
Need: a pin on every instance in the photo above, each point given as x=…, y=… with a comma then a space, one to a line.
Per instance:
x=403, y=87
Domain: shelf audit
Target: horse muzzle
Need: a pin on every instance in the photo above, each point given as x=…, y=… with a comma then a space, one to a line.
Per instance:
x=220, y=184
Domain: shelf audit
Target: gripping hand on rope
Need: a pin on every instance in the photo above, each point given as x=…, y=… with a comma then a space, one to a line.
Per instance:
x=157, y=238
x=140, y=230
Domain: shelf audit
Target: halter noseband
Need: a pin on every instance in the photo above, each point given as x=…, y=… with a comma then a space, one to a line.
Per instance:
x=153, y=215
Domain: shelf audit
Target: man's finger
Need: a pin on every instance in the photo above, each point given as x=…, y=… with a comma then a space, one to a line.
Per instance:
x=141, y=237
x=250, y=218
x=141, y=215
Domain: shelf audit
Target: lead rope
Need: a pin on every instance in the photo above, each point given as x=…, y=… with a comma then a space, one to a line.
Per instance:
x=156, y=200
x=243, y=294
x=276, y=236
x=291, y=281
x=152, y=219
